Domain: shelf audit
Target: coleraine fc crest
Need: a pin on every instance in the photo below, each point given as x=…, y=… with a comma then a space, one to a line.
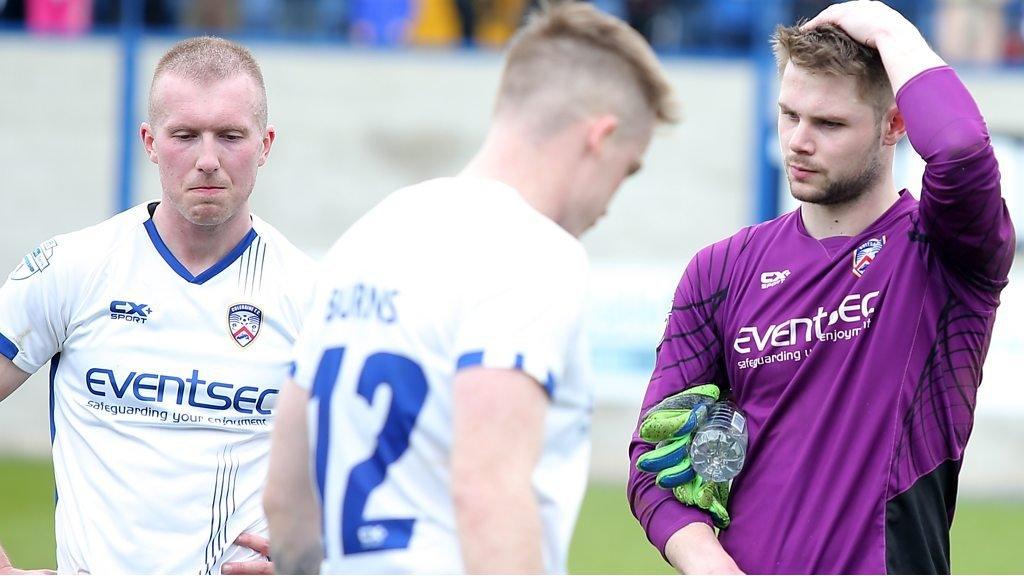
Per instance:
x=244, y=323
x=865, y=254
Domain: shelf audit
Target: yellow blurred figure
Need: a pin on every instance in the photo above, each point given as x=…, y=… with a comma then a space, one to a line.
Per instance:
x=497, y=25
x=437, y=22
x=434, y=23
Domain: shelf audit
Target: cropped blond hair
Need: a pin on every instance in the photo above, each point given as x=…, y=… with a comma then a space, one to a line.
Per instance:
x=208, y=59
x=570, y=58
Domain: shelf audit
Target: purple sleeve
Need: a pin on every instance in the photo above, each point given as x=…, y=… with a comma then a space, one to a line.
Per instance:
x=690, y=353
x=963, y=214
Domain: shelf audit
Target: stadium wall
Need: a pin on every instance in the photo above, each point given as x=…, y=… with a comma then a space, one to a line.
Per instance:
x=354, y=125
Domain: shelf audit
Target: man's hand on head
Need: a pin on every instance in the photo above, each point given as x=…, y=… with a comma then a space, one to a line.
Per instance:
x=905, y=53
x=865, y=21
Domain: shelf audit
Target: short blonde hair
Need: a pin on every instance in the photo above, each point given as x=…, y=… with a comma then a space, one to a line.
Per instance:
x=208, y=59
x=571, y=58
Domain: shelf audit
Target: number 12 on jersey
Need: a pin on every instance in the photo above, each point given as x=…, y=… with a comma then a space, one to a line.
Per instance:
x=408, y=392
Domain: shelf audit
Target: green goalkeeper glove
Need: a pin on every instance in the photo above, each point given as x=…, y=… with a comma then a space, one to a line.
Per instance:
x=712, y=497
x=670, y=424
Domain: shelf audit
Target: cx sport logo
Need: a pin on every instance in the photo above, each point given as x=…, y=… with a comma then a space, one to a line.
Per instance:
x=129, y=311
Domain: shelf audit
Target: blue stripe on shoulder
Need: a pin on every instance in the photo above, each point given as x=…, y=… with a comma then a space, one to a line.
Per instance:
x=549, y=385
x=476, y=358
x=8, y=348
x=470, y=359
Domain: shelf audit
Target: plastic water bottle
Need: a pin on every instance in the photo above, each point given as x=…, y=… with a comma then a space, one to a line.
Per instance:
x=719, y=445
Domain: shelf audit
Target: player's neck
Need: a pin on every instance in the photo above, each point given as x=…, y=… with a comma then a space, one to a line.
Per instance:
x=196, y=247
x=849, y=218
x=533, y=168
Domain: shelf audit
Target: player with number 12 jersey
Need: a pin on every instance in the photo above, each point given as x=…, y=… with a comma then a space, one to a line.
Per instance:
x=449, y=274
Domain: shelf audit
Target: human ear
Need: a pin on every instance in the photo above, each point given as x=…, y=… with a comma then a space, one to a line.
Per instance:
x=146, y=133
x=893, y=127
x=599, y=130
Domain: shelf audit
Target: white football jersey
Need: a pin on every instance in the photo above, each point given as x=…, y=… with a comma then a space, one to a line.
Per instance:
x=448, y=274
x=162, y=388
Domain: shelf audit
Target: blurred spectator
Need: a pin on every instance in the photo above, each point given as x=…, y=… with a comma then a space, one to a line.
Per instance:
x=155, y=13
x=616, y=8
x=380, y=22
x=913, y=10
x=320, y=18
x=662, y=21
x=219, y=15
x=971, y=31
x=467, y=10
x=469, y=22
x=729, y=24
x=12, y=10
x=1015, y=41
x=671, y=25
x=58, y=16
x=433, y=23
x=497, y=20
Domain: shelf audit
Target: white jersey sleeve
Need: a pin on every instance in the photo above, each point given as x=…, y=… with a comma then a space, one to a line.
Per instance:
x=34, y=307
x=527, y=315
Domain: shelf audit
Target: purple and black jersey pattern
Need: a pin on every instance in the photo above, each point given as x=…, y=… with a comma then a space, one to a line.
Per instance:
x=856, y=360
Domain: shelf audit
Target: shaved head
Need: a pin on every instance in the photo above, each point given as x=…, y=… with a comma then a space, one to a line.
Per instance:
x=205, y=60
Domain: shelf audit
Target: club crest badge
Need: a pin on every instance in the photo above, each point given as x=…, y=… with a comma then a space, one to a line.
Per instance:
x=865, y=254
x=244, y=322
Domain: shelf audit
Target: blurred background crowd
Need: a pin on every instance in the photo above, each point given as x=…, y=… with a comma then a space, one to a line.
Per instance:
x=983, y=32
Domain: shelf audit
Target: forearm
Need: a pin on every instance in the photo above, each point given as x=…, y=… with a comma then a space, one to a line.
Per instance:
x=499, y=528
x=297, y=557
x=657, y=510
x=11, y=377
x=295, y=541
x=289, y=500
x=695, y=549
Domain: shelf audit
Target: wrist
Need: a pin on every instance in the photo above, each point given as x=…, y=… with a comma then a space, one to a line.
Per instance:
x=694, y=549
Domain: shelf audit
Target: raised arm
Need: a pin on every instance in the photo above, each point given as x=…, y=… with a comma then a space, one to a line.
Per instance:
x=963, y=215
x=904, y=50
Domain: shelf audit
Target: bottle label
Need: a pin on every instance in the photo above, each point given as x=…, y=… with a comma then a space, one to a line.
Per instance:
x=739, y=423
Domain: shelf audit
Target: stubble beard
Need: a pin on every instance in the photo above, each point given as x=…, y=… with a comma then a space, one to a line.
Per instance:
x=844, y=190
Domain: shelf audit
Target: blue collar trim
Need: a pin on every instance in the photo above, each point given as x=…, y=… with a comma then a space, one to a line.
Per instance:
x=210, y=272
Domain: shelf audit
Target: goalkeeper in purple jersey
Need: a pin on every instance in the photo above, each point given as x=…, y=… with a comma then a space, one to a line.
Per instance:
x=851, y=331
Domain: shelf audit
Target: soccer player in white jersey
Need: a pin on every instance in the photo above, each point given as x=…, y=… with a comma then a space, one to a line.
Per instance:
x=168, y=329
x=441, y=372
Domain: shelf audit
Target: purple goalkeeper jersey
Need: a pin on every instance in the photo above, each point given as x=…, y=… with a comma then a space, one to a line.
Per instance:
x=855, y=359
